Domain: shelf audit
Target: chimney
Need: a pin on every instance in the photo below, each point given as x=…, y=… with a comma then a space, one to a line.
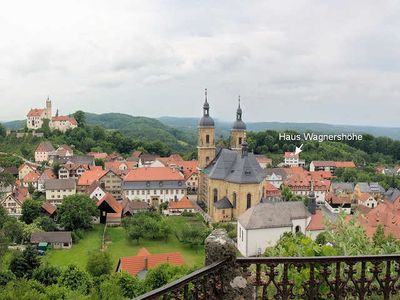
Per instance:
x=146, y=263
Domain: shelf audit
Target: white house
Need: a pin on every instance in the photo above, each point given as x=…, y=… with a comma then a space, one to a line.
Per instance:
x=179, y=207
x=262, y=225
x=154, y=185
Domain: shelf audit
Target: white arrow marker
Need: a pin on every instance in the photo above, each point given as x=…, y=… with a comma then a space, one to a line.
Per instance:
x=298, y=149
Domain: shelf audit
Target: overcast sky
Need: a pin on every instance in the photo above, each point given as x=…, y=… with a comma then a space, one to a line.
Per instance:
x=296, y=61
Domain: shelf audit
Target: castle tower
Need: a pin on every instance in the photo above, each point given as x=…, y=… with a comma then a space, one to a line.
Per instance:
x=238, y=131
x=206, y=137
x=48, y=109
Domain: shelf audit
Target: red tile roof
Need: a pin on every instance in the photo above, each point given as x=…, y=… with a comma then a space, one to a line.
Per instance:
x=65, y=119
x=184, y=203
x=98, y=155
x=316, y=222
x=116, y=165
x=44, y=147
x=89, y=176
x=291, y=155
x=338, y=199
x=153, y=174
x=271, y=190
x=145, y=261
x=32, y=177
x=49, y=208
x=36, y=112
x=112, y=202
x=384, y=214
x=345, y=164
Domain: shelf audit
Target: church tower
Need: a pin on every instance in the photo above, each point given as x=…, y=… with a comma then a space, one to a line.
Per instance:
x=206, y=137
x=48, y=109
x=238, y=131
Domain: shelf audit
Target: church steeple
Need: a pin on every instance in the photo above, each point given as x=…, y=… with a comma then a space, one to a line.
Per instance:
x=206, y=106
x=206, y=136
x=238, y=132
x=239, y=112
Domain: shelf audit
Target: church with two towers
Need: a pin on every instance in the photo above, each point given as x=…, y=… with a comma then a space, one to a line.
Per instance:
x=231, y=180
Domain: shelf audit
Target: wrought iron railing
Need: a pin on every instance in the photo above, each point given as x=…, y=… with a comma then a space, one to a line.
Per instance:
x=205, y=283
x=333, y=277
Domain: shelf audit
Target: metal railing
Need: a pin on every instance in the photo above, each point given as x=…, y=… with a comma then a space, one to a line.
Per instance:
x=325, y=277
x=205, y=283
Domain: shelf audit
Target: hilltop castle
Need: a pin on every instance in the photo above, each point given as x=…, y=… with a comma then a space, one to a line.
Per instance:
x=37, y=116
x=231, y=180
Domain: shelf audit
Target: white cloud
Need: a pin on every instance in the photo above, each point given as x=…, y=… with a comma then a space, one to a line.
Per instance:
x=299, y=60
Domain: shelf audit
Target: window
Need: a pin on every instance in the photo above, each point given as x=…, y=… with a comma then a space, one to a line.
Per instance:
x=234, y=198
x=248, y=201
x=240, y=141
x=297, y=229
x=207, y=139
x=207, y=159
x=215, y=195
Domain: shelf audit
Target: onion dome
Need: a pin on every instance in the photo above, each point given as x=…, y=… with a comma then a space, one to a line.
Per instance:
x=206, y=120
x=239, y=124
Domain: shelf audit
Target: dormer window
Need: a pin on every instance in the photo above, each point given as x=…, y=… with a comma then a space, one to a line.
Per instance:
x=179, y=183
x=161, y=183
x=247, y=172
x=148, y=183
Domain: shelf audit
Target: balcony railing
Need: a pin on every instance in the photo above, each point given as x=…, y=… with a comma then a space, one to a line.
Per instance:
x=329, y=277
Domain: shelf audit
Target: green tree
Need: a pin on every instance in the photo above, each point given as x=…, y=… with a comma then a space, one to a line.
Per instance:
x=23, y=264
x=13, y=229
x=31, y=209
x=46, y=223
x=80, y=118
x=75, y=279
x=99, y=263
x=46, y=274
x=77, y=212
x=194, y=236
x=135, y=232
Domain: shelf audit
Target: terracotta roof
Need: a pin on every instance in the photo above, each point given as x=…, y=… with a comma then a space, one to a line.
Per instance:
x=184, y=203
x=316, y=222
x=136, y=153
x=26, y=164
x=153, y=174
x=263, y=159
x=44, y=147
x=323, y=163
x=145, y=261
x=47, y=174
x=116, y=165
x=291, y=155
x=338, y=199
x=345, y=164
x=271, y=190
x=64, y=119
x=49, y=208
x=98, y=155
x=36, y=112
x=20, y=194
x=89, y=176
x=143, y=252
x=131, y=206
x=112, y=202
x=384, y=214
x=364, y=197
x=32, y=177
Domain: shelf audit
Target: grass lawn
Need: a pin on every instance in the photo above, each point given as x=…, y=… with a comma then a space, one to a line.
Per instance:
x=78, y=254
x=118, y=245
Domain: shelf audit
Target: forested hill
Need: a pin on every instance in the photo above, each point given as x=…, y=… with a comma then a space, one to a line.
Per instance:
x=224, y=127
x=142, y=128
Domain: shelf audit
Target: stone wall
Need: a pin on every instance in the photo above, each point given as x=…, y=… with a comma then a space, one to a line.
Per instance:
x=218, y=247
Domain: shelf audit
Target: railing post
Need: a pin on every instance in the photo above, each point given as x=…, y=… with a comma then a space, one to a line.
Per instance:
x=218, y=247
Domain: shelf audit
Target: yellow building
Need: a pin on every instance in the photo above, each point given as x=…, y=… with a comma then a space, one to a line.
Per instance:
x=231, y=180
